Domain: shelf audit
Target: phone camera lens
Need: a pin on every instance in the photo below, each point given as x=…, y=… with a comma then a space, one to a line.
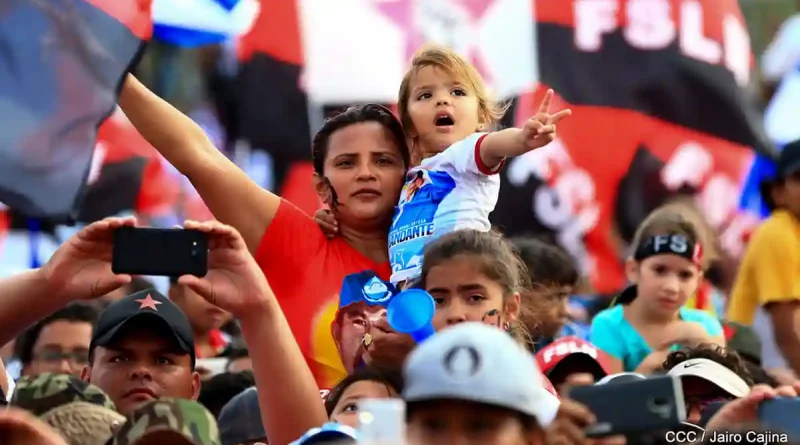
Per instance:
x=193, y=253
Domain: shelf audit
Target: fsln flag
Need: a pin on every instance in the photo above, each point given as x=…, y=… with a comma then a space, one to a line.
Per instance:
x=358, y=50
x=659, y=112
x=62, y=67
x=191, y=23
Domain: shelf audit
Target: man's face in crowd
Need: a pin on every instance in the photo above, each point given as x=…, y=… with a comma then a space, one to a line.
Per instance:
x=142, y=365
x=62, y=348
x=353, y=323
x=699, y=393
x=203, y=316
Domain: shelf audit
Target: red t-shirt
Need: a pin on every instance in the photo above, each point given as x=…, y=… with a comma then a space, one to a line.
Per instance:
x=305, y=270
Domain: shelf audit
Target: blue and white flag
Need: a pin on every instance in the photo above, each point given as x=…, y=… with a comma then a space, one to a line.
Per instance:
x=191, y=23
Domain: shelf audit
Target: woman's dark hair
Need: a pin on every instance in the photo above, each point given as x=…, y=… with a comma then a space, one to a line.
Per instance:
x=354, y=115
x=725, y=357
x=392, y=379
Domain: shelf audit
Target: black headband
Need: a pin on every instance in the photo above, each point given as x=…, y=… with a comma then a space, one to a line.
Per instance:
x=674, y=244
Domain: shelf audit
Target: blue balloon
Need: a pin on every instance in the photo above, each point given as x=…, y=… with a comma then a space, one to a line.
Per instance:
x=411, y=312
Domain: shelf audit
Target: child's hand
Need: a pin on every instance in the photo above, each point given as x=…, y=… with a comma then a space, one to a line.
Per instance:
x=326, y=222
x=540, y=130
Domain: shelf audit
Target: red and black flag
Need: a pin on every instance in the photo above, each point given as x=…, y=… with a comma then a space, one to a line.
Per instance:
x=660, y=111
x=275, y=112
x=59, y=80
x=656, y=86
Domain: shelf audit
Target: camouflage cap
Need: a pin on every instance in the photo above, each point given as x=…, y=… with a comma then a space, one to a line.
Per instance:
x=44, y=392
x=175, y=418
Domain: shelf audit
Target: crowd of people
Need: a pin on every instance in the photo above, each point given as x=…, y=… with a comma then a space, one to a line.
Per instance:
x=227, y=359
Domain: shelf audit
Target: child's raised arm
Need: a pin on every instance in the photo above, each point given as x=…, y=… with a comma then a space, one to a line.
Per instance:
x=538, y=131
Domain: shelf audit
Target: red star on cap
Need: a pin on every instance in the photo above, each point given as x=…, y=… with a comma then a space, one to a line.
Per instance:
x=148, y=302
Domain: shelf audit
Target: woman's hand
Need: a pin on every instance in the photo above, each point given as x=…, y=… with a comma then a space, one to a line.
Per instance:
x=570, y=423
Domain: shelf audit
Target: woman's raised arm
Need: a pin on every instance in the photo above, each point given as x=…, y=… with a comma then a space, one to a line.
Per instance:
x=229, y=193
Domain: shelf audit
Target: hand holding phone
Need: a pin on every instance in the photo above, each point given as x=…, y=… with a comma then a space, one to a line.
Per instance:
x=781, y=414
x=652, y=404
x=160, y=252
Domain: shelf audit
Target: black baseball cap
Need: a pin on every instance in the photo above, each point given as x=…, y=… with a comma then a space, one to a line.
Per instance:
x=144, y=306
x=789, y=160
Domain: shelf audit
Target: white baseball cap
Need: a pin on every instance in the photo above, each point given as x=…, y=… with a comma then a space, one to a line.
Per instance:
x=712, y=372
x=478, y=363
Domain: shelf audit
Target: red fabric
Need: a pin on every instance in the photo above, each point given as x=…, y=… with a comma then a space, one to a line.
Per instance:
x=576, y=156
x=119, y=141
x=483, y=168
x=134, y=14
x=217, y=343
x=729, y=331
x=548, y=386
x=552, y=354
x=305, y=270
x=276, y=32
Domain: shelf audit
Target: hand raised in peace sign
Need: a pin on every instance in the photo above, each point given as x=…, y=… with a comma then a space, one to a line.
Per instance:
x=540, y=129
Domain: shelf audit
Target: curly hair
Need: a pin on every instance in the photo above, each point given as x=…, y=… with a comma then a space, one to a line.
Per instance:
x=725, y=357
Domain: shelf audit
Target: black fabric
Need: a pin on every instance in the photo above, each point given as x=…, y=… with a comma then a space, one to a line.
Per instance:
x=115, y=191
x=59, y=80
x=273, y=111
x=661, y=83
x=673, y=244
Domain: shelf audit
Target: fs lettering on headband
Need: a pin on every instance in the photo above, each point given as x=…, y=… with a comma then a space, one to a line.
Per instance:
x=675, y=244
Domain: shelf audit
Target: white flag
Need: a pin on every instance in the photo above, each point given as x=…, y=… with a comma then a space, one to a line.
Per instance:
x=358, y=50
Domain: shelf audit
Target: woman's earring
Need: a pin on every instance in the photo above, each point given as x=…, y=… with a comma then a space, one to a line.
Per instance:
x=506, y=326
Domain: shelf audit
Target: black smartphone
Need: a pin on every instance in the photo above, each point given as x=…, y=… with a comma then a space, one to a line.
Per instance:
x=781, y=415
x=655, y=403
x=160, y=252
